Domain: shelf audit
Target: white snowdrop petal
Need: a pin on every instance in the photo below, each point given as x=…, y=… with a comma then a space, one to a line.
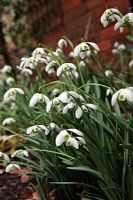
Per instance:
x=46, y=99
x=94, y=45
x=77, y=50
x=63, y=97
x=75, y=131
x=73, y=142
x=59, y=70
x=65, y=109
x=60, y=139
x=48, y=107
x=78, y=113
x=12, y=167
x=90, y=105
x=34, y=100
x=29, y=130
x=129, y=94
x=19, y=90
x=114, y=98
x=82, y=141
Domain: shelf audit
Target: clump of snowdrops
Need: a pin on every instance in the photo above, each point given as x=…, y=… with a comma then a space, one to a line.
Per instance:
x=77, y=130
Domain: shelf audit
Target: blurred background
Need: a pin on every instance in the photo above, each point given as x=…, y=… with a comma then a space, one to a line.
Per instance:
x=26, y=23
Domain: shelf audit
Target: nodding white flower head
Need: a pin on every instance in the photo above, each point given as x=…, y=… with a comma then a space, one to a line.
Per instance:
x=39, y=51
x=110, y=15
x=10, y=80
x=131, y=64
x=28, y=63
x=128, y=18
x=53, y=103
x=11, y=94
x=50, y=66
x=116, y=44
x=38, y=98
x=71, y=54
x=53, y=126
x=79, y=110
x=66, y=136
x=4, y=156
x=65, y=67
x=62, y=43
x=84, y=108
x=59, y=51
x=26, y=72
x=19, y=153
x=108, y=73
x=8, y=121
x=115, y=51
x=55, y=91
x=121, y=47
x=82, y=64
x=118, y=47
x=6, y=69
x=12, y=167
x=109, y=91
x=122, y=95
x=64, y=97
x=84, y=48
x=33, y=130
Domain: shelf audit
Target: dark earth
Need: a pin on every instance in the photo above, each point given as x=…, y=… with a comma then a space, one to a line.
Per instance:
x=12, y=188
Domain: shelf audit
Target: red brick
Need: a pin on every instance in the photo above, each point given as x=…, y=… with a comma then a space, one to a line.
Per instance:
x=70, y=4
x=104, y=45
x=109, y=32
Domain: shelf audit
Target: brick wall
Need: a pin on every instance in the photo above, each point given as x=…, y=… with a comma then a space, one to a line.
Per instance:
x=76, y=15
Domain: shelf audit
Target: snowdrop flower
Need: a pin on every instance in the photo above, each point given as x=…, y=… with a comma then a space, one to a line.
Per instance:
x=11, y=167
x=53, y=126
x=65, y=67
x=83, y=48
x=122, y=95
x=75, y=95
x=81, y=140
x=55, y=91
x=121, y=47
x=71, y=54
x=109, y=73
x=50, y=66
x=4, y=156
x=11, y=94
x=6, y=69
x=38, y=98
x=115, y=51
x=20, y=152
x=64, y=97
x=55, y=102
x=128, y=18
x=62, y=43
x=110, y=15
x=116, y=44
x=82, y=64
x=109, y=91
x=33, y=130
x=8, y=121
x=131, y=64
x=40, y=51
x=79, y=110
x=28, y=63
x=26, y=72
x=66, y=136
x=10, y=80
x=58, y=52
